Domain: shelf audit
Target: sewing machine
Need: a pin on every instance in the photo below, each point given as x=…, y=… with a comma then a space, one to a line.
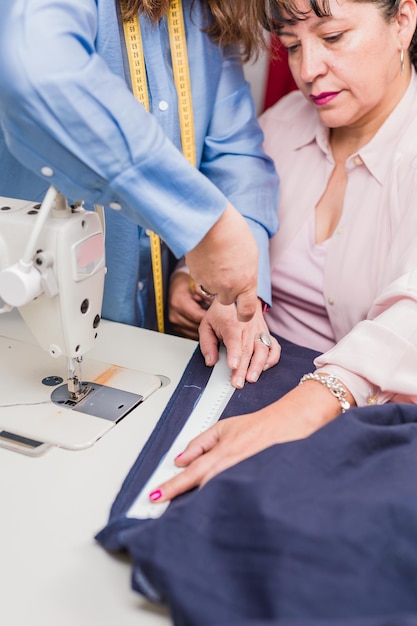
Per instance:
x=52, y=269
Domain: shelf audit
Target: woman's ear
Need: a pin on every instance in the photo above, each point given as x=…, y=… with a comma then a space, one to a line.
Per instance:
x=406, y=19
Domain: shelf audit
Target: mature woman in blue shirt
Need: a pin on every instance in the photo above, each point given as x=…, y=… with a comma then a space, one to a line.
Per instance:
x=69, y=118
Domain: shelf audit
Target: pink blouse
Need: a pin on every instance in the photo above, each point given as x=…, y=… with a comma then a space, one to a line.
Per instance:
x=300, y=313
x=369, y=274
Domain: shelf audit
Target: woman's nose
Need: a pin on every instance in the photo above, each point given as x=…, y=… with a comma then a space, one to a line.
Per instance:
x=312, y=61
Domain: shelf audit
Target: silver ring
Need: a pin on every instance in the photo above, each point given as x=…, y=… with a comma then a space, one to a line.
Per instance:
x=265, y=338
x=206, y=293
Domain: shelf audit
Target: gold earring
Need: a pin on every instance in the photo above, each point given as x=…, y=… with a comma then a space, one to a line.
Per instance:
x=402, y=60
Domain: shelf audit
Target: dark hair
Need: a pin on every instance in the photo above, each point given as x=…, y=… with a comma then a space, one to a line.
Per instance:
x=228, y=21
x=282, y=12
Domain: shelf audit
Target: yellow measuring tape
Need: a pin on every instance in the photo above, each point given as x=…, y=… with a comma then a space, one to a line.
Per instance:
x=179, y=56
x=181, y=71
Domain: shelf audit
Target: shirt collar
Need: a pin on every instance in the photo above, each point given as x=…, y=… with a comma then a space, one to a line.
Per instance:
x=310, y=129
x=377, y=154
x=374, y=154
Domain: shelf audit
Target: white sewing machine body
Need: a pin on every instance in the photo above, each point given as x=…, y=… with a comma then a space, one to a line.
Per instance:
x=52, y=268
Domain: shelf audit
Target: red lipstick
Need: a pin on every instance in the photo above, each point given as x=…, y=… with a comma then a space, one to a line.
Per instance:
x=323, y=98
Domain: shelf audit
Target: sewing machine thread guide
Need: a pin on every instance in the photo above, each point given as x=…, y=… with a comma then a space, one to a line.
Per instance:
x=207, y=411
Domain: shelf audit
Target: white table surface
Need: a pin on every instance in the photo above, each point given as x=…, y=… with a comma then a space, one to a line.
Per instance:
x=52, y=572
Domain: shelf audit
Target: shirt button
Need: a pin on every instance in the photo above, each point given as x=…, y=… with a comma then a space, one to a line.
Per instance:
x=340, y=230
x=357, y=160
x=47, y=171
x=163, y=105
x=116, y=206
x=140, y=285
x=330, y=301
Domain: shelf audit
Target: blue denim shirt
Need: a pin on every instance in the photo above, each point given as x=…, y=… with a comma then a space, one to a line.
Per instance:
x=66, y=104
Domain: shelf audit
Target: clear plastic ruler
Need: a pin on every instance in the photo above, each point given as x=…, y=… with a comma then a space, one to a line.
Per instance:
x=207, y=411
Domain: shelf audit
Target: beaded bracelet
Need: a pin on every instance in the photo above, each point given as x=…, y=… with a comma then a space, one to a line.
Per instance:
x=333, y=385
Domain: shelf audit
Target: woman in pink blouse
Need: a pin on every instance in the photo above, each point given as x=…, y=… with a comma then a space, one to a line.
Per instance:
x=344, y=262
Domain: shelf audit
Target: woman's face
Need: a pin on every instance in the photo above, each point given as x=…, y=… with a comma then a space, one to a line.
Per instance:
x=348, y=64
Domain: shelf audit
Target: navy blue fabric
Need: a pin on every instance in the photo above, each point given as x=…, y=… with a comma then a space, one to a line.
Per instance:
x=317, y=532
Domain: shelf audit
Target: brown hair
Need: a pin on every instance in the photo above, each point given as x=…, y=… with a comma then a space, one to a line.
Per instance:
x=228, y=21
x=286, y=12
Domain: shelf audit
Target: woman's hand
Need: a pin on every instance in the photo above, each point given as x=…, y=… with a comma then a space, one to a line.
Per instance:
x=186, y=307
x=296, y=415
x=218, y=264
x=247, y=355
x=194, y=316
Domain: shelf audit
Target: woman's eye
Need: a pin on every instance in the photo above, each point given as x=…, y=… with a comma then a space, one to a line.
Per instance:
x=333, y=38
x=292, y=48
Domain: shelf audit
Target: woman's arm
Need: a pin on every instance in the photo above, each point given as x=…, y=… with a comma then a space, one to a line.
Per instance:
x=296, y=415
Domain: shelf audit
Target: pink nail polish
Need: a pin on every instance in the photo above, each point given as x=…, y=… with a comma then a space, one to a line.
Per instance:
x=155, y=495
x=178, y=455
